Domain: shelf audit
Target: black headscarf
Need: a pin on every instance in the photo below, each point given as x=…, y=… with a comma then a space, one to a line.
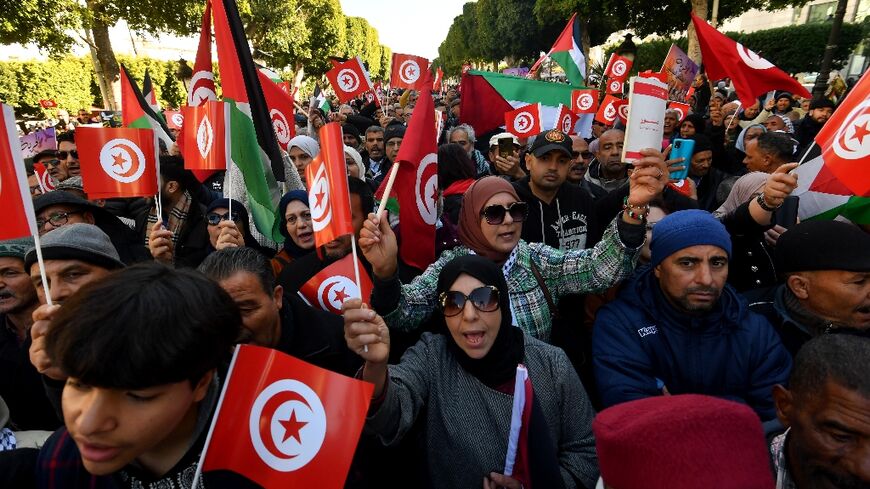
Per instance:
x=500, y=363
x=290, y=246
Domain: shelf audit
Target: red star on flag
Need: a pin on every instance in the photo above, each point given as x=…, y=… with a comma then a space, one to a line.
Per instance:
x=860, y=132
x=347, y=80
x=292, y=427
x=341, y=295
x=319, y=196
x=119, y=160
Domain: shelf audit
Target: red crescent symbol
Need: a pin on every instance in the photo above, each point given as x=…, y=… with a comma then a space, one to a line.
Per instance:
x=268, y=413
x=324, y=297
x=134, y=160
x=421, y=191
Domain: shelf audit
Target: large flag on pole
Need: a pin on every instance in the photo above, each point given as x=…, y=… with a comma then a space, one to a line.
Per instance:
x=328, y=194
x=824, y=197
x=330, y=287
x=568, y=53
x=254, y=145
x=136, y=112
x=281, y=422
x=19, y=220
x=202, y=88
x=117, y=162
x=751, y=74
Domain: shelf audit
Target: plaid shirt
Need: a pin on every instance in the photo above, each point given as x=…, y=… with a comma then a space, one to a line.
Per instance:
x=564, y=272
x=780, y=465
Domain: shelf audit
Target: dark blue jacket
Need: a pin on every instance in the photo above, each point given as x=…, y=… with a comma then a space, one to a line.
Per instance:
x=640, y=342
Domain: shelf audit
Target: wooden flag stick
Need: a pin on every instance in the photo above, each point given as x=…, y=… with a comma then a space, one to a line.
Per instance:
x=356, y=276
x=389, y=188
x=38, y=247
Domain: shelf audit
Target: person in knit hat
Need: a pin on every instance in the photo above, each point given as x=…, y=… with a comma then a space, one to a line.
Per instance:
x=678, y=328
x=686, y=441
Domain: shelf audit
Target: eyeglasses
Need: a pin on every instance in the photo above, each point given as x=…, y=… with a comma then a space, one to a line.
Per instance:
x=484, y=299
x=63, y=155
x=56, y=219
x=494, y=214
x=214, y=218
x=52, y=162
x=586, y=155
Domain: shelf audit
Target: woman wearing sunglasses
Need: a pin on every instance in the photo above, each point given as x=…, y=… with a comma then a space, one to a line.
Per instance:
x=490, y=225
x=228, y=231
x=465, y=381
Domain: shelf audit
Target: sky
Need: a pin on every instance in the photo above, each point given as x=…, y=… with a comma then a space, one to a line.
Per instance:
x=410, y=27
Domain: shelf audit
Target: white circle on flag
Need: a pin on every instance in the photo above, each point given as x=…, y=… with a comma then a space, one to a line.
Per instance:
x=566, y=124
x=751, y=59
x=623, y=111
x=46, y=180
x=609, y=113
x=619, y=67
x=202, y=88
x=426, y=188
x=281, y=126
x=409, y=71
x=523, y=122
x=585, y=101
x=334, y=291
x=122, y=160
x=615, y=86
x=178, y=119
x=287, y=425
x=348, y=80
x=679, y=111
x=204, y=137
x=319, y=200
x=852, y=140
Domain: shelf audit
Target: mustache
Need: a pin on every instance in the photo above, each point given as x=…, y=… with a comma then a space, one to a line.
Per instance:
x=844, y=481
x=702, y=290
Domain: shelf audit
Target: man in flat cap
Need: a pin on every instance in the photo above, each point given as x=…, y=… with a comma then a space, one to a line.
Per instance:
x=826, y=267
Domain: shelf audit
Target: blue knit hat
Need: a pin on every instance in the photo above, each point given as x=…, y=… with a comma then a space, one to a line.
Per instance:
x=687, y=228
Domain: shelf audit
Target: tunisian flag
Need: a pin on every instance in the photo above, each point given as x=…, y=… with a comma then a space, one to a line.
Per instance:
x=566, y=120
x=845, y=139
x=281, y=111
x=282, y=422
x=607, y=110
x=584, y=101
x=328, y=195
x=618, y=67
x=681, y=108
x=19, y=220
x=524, y=121
x=751, y=74
x=330, y=287
x=410, y=71
x=206, y=136
x=202, y=88
x=46, y=182
x=117, y=162
x=349, y=79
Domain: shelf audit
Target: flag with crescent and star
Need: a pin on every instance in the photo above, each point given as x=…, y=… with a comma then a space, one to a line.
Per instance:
x=349, y=79
x=281, y=110
x=410, y=72
x=46, y=181
x=117, y=162
x=525, y=121
x=328, y=194
x=202, y=88
x=206, y=136
x=19, y=220
x=282, y=422
x=618, y=67
x=329, y=288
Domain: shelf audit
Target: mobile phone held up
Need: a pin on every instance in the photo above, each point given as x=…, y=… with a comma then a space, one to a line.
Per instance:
x=682, y=148
x=505, y=147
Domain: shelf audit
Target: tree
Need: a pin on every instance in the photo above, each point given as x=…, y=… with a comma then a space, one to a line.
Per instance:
x=279, y=36
x=327, y=34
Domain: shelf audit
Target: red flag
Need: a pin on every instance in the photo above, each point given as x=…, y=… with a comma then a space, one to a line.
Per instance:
x=481, y=106
x=681, y=108
x=584, y=101
x=202, y=87
x=517, y=461
x=136, y=112
x=47, y=103
x=618, y=67
x=174, y=119
x=410, y=71
x=416, y=185
x=622, y=111
x=46, y=182
x=281, y=110
x=524, y=121
x=330, y=287
x=117, y=162
x=681, y=186
x=206, y=136
x=349, y=79
x=436, y=85
x=845, y=139
x=328, y=196
x=282, y=422
x=614, y=86
x=566, y=120
x=607, y=110
x=19, y=220
x=751, y=74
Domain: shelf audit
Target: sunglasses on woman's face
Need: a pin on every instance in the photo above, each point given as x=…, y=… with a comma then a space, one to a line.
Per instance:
x=485, y=299
x=214, y=218
x=494, y=214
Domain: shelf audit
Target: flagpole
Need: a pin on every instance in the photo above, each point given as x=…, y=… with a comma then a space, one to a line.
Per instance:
x=389, y=188
x=215, y=417
x=356, y=276
x=807, y=152
x=733, y=117
x=41, y=261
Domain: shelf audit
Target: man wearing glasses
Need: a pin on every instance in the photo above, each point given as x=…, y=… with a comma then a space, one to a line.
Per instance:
x=68, y=157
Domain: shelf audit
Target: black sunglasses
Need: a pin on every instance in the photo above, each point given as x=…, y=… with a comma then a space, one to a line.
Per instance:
x=485, y=299
x=214, y=218
x=63, y=155
x=494, y=214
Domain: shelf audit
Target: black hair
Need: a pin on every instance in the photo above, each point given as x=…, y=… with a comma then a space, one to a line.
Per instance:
x=366, y=196
x=777, y=144
x=172, y=169
x=144, y=326
x=453, y=165
x=223, y=264
x=841, y=358
x=66, y=137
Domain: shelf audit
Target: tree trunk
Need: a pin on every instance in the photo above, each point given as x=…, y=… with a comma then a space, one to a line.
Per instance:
x=699, y=8
x=587, y=43
x=822, y=80
x=103, y=57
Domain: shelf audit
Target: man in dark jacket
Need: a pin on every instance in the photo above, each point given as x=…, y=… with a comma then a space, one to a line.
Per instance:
x=678, y=328
x=806, y=129
x=826, y=265
x=706, y=178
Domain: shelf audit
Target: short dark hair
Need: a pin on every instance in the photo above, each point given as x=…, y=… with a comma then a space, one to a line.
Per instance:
x=453, y=165
x=777, y=144
x=172, y=169
x=223, y=264
x=144, y=326
x=67, y=137
x=366, y=196
x=839, y=357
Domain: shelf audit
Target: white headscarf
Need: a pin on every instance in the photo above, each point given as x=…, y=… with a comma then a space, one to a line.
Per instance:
x=307, y=144
x=357, y=158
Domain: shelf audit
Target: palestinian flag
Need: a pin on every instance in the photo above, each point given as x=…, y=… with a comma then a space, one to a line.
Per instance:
x=824, y=197
x=253, y=146
x=487, y=96
x=137, y=112
x=568, y=53
x=320, y=101
x=151, y=96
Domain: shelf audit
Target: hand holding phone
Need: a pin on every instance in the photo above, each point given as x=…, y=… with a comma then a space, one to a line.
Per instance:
x=682, y=148
x=505, y=147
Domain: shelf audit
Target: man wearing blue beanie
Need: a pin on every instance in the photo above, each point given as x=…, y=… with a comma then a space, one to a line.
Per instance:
x=678, y=328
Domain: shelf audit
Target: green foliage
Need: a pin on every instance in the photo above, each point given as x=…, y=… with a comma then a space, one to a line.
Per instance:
x=279, y=36
x=170, y=90
x=66, y=80
x=25, y=22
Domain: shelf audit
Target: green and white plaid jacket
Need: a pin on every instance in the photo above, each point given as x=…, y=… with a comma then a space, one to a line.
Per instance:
x=564, y=272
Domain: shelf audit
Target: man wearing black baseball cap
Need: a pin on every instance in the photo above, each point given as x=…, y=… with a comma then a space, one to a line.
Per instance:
x=826, y=267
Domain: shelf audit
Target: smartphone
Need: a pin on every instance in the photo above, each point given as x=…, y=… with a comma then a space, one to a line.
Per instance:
x=505, y=147
x=682, y=148
x=786, y=215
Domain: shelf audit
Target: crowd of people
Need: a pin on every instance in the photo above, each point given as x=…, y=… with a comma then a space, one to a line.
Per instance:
x=676, y=334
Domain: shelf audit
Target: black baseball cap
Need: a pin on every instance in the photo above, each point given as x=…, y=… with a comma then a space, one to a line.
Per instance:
x=552, y=140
